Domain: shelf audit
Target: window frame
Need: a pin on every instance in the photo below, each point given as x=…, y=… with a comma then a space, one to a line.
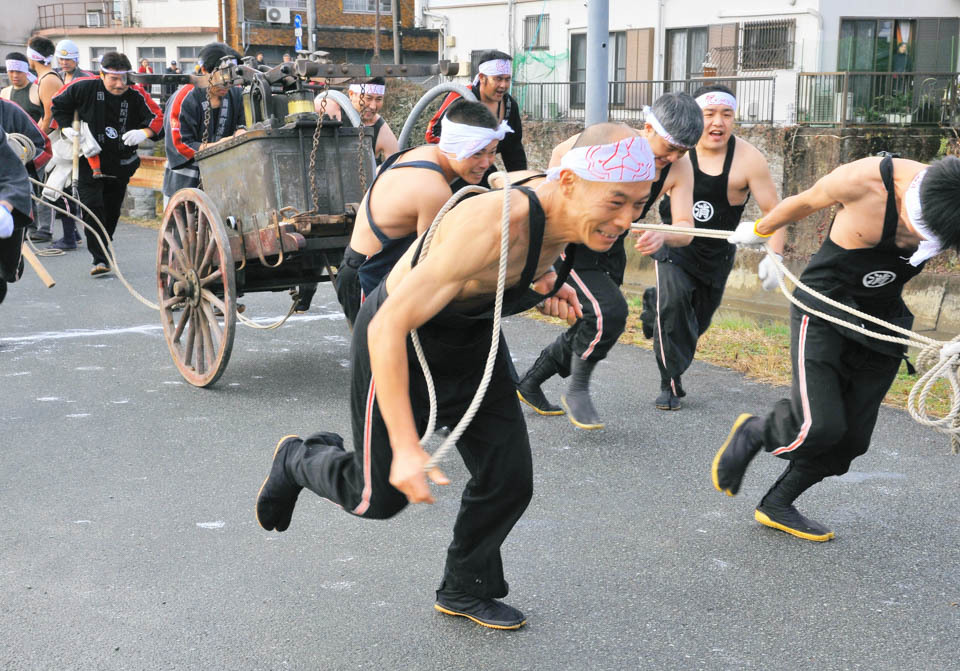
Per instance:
x=383, y=10
x=754, y=58
x=541, y=29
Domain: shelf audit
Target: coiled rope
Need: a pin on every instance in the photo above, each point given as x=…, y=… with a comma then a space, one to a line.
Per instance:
x=939, y=359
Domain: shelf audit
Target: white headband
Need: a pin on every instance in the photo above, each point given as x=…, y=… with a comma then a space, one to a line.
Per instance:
x=369, y=89
x=717, y=98
x=661, y=131
x=464, y=140
x=37, y=56
x=19, y=66
x=629, y=160
x=494, y=68
x=929, y=247
x=114, y=72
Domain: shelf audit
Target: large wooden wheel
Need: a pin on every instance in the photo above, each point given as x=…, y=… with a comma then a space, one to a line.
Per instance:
x=197, y=287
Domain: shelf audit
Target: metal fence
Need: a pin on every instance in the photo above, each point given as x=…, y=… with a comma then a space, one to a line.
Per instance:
x=564, y=101
x=89, y=14
x=877, y=98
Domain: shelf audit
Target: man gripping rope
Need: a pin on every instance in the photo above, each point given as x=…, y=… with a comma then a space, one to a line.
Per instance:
x=691, y=279
x=448, y=296
x=491, y=87
x=895, y=214
x=120, y=116
x=413, y=186
x=198, y=118
x=673, y=125
x=367, y=99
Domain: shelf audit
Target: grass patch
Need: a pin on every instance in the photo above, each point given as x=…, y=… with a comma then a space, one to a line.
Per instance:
x=761, y=351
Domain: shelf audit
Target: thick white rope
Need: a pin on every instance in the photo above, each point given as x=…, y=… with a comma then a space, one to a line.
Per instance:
x=111, y=256
x=474, y=406
x=945, y=365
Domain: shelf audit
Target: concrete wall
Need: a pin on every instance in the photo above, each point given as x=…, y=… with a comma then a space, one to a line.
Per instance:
x=16, y=26
x=172, y=13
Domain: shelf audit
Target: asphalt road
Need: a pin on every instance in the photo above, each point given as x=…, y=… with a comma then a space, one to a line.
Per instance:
x=128, y=539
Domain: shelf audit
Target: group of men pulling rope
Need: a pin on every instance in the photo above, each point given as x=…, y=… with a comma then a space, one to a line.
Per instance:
x=448, y=276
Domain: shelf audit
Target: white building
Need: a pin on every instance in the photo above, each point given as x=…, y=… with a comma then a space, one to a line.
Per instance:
x=159, y=30
x=673, y=39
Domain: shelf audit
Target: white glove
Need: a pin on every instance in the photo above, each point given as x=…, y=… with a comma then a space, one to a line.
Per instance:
x=745, y=235
x=6, y=222
x=69, y=133
x=769, y=273
x=134, y=137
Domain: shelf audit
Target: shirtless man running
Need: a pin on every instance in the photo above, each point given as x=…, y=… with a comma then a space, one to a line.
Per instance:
x=591, y=199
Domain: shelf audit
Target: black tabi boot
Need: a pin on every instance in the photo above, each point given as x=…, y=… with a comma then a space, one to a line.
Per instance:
x=577, y=401
x=668, y=399
x=733, y=457
x=487, y=612
x=278, y=493
x=776, y=508
x=529, y=388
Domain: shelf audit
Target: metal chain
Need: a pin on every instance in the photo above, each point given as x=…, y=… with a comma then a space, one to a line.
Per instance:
x=361, y=170
x=313, y=151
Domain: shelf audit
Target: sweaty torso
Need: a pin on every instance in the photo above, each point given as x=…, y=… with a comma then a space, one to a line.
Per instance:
x=397, y=199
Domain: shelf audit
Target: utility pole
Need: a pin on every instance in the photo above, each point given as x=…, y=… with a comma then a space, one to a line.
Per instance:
x=312, y=25
x=598, y=54
x=376, y=33
x=396, y=32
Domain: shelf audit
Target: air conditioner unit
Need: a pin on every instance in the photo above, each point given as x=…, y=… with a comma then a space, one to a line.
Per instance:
x=278, y=15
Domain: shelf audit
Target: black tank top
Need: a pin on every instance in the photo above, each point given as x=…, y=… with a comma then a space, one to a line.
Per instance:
x=708, y=259
x=375, y=268
x=22, y=98
x=520, y=297
x=377, y=125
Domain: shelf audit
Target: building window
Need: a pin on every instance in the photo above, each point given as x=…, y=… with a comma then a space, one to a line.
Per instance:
x=187, y=58
x=95, y=54
x=358, y=6
x=156, y=58
x=616, y=68
x=686, y=53
x=767, y=45
x=536, y=32
x=873, y=45
x=95, y=18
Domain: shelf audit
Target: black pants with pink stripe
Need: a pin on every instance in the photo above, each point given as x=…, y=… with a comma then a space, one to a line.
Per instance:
x=685, y=306
x=838, y=385
x=495, y=447
x=604, y=319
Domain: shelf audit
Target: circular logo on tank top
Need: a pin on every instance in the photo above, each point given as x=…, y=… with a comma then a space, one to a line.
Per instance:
x=878, y=278
x=111, y=132
x=702, y=211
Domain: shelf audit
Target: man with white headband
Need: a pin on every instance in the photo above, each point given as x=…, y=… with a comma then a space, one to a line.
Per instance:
x=199, y=118
x=367, y=99
x=406, y=195
x=40, y=53
x=120, y=117
x=691, y=279
x=894, y=215
x=21, y=90
x=491, y=87
x=448, y=297
x=597, y=276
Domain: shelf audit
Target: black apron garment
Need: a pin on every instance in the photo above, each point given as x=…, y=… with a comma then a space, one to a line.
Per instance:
x=377, y=125
x=869, y=280
x=840, y=376
x=378, y=266
x=22, y=98
x=708, y=259
x=349, y=293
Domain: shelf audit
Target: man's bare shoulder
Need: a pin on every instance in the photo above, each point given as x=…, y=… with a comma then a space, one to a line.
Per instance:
x=749, y=154
x=681, y=172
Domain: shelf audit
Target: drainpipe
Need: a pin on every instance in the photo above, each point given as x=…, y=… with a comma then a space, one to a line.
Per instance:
x=659, y=39
x=223, y=20
x=444, y=28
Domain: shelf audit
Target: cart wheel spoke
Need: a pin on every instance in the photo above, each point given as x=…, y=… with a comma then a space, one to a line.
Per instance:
x=194, y=260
